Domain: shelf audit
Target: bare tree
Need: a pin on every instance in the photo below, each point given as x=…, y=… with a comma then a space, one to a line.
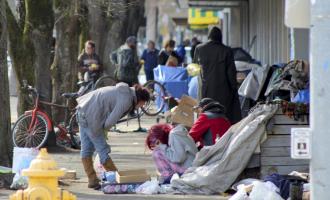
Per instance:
x=107, y=22
x=64, y=68
x=5, y=141
x=110, y=22
x=30, y=43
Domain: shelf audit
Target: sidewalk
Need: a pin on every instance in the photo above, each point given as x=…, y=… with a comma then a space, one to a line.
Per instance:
x=128, y=152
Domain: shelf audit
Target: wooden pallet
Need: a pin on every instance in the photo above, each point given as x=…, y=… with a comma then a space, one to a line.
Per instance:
x=275, y=151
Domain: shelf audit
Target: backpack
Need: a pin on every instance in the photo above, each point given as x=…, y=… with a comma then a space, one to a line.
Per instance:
x=127, y=66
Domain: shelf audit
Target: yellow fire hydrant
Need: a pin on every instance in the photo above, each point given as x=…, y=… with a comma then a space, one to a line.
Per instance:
x=43, y=181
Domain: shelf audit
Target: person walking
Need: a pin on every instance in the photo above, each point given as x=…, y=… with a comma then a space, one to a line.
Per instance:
x=150, y=56
x=97, y=112
x=218, y=74
x=127, y=62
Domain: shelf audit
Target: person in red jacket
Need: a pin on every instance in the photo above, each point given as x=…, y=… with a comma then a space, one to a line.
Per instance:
x=211, y=123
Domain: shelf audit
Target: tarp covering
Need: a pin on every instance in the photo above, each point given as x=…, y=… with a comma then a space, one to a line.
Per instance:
x=174, y=79
x=253, y=83
x=216, y=167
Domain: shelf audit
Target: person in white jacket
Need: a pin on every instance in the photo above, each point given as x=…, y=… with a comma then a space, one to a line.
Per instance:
x=173, y=150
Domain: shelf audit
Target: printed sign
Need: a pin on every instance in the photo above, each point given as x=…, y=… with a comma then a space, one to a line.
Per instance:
x=300, y=143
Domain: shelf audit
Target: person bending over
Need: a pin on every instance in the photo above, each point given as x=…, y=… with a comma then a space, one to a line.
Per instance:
x=97, y=112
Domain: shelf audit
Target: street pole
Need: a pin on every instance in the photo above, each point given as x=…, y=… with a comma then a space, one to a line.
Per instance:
x=320, y=99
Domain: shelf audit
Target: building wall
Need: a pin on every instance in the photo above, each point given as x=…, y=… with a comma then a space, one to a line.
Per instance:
x=266, y=23
x=300, y=44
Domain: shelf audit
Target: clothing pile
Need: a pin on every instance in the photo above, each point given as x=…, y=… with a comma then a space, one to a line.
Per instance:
x=294, y=76
x=273, y=187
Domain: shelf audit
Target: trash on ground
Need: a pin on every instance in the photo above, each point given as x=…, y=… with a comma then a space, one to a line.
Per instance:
x=69, y=174
x=22, y=159
x=149, y=187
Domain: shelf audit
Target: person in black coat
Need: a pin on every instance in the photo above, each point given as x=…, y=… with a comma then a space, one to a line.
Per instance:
x=218, y=74
x=194, y=43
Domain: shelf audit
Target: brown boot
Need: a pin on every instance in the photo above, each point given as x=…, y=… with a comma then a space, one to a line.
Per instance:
x=93, y=181
x=109, y=165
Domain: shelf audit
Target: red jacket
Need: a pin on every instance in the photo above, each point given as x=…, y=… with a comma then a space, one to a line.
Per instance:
x=207, y=127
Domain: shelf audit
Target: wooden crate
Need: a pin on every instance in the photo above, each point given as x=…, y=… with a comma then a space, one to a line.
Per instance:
x=275, y=151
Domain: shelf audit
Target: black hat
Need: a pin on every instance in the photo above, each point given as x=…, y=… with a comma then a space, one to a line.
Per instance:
x=214, y=107
x=215, y=34
x=203, y=102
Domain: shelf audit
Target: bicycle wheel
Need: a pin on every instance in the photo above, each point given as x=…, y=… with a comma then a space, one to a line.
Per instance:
x=34, y=137
x=157, y=94
x=105, y=81
x=73, y=130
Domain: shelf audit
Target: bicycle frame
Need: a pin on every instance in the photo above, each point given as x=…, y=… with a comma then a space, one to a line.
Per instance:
x=88, y=86
x=36, y=110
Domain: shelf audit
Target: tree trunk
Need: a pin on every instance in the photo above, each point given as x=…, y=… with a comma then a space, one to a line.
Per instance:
x=30, y=41
x=5, y=141
x=39, y=27
x=123, y=24
x=22, y=60
x=64, y=68
x=110, y=23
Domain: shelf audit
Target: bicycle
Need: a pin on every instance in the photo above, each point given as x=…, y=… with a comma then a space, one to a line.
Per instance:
x=33, y=127
x=89, y=83
x=158, y=98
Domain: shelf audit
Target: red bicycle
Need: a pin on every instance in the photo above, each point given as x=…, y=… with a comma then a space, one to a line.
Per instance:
x=34, y=126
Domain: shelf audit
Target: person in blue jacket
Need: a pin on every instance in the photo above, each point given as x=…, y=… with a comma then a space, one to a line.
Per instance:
x=181, y=50
x=150, y=56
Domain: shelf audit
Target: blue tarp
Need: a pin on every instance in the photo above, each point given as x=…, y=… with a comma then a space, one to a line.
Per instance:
x=174, y=79
x=302, y=96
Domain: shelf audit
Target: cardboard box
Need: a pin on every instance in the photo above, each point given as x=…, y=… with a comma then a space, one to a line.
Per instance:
x=184, y=113
x=132, y=176
x=69, y=174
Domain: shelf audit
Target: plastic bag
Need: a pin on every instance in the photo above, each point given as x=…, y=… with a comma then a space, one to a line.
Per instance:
x=247, y=181
x=149, y=187
x=264, y=191
x=253, y=83
x=19, y=182
x=302, y=96
x=5, y=170
x=193, y=69
x=240, y=194
x=98, y=167
x=166, y=189
x=109, y=177
x=22, y=160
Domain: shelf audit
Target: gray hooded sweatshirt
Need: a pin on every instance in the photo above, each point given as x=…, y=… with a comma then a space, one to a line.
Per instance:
x=102, y=108
x=181, y=148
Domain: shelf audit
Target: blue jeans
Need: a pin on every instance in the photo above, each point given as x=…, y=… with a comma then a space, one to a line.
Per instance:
x=149, y=74
x=92, y=141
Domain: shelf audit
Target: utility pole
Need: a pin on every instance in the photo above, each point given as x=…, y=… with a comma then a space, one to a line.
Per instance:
x=320, y=99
